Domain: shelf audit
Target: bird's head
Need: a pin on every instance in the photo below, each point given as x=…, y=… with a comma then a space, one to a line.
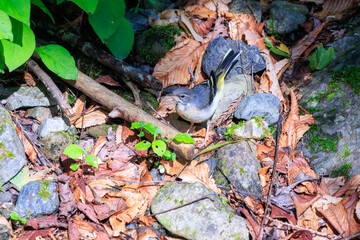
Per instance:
x=182, y=95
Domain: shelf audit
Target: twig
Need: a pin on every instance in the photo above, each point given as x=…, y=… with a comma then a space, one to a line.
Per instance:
x=183, y=205
x=135, y=91
x=349, y=237
x=51, y=87
x=273, y=176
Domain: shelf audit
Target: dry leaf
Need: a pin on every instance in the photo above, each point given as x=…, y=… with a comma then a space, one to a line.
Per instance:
x=94, y=118
x=174, y=67
x=29, y=79
x=337, y=9
x=28, y=147
x=187, y=25
x=218, y=30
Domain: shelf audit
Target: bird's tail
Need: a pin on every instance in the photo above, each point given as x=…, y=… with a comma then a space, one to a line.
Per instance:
x=217, y=78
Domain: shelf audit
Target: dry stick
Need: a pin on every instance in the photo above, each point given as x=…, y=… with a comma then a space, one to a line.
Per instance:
x=183, y=205
x=128, y=111
x=353, y=236
x=278, y=131
x=51, y=87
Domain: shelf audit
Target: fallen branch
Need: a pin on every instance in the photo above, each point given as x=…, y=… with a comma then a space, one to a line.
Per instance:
x=128, y=111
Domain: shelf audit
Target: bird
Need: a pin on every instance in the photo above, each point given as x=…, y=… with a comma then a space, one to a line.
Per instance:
x=198, y=104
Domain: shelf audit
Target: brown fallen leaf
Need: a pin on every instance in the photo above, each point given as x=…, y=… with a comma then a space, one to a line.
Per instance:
x=94, y=118
x=337, y=9
x=28, y=147
x=174, y=67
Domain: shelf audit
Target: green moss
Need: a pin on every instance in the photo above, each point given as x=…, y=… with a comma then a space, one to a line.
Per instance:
x=157, y=34
x=349, y=75
x=242, y=171
x=231, y=215
x=5, y=153
x=229, y=134
x=146, y=96
x=236, y=236
x=165, y=221
x=44, y=193
x=343, y=171
x=321, y=142
x=346, y=151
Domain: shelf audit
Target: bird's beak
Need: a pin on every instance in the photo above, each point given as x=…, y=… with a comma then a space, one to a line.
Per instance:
x=175, y=97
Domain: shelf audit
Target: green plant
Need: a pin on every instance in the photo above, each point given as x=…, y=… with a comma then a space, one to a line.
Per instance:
x=346, y=152
x=320, y=142
x=229, y=133
x=75, y=152
x=349, y=75
x=14, y=216
x=343, y=171
x=321, y=58
x=277, y=51
x=17, y=40
x=159, y=146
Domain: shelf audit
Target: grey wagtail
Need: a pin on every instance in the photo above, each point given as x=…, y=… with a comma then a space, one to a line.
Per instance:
x=198, y=104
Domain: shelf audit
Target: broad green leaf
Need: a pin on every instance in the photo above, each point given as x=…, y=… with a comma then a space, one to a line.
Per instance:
x=159, y=147
x=137, y=125
x=143, y=145
x=21, y=178
x=41, y=5
x=120, y=43
x=18, y=9
x=141, y=134
x=321, y=58
x=21, y=48
x=106, y=18
x=88, y=6
x=23, y=220
x=73, y=151
x=5, y=27
x=92, y=160
x=14, y=216
x=269, y=45
x=184, y=138
x=151, y=128
x=58, y=60
x=169, y=155
x=74, y=166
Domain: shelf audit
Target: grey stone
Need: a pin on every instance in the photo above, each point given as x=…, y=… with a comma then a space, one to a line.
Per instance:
x=207, y=219
x=39, y=112
x=286, y=16
x=138, y=22
x=238, y=161
x=264, y=105
x=337, y=117
x=4, y=93
x=217, y=48
x=52, y=125
x=37, y=199
x=252, y=129
x=12, y=155
x=98, y=130
x=5, y=232
x=54, y=145
x=29, y=97
x=158, y=5
x=241, y=6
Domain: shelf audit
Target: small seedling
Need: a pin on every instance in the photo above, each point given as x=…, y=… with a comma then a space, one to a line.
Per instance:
x=75, y=152
x=321, y=58
x=280, y=50
x=14, y=216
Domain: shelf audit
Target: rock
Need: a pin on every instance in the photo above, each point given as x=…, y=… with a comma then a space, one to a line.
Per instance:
x=336, y=107
x=234, y=87
x=5, y=232
x=219, y=46
x=30, y=97
x=138, y=22
x=4, y=93
x=158, y=5
x=6, y=209
x=264, y=105
x=285, y=17
x=253, y=129
x=12, y=156
x=37, y=199
x=98, y=130
x=53, y=125
x=238, y=161
x=54, y=145
x=241, y=6
x=39, y=112
x=205, y=219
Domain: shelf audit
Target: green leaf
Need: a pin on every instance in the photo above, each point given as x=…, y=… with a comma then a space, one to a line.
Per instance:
x=88, y=6
x=21, y=48
x=73, y=151
x=159, y=147
x=74, y=166
x=105, y=19
x=321, y=58
x=143, y=145
x=71, y=98
x=213, y=147
x=14, y=216
x=41, y=5
x=92, y=160
x=18, y=9
x=58, y=60
x=184, y=138
x=5, y=27
x=151, y=128
x=269, y=44
x=23, y=220
x=141, y=134
x=137, y=125
x=87, y=148
x=120, y=43
x=21, y=178
x=169, y=155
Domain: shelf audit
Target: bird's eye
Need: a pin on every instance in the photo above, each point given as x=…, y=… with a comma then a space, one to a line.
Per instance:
x=182, y=96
